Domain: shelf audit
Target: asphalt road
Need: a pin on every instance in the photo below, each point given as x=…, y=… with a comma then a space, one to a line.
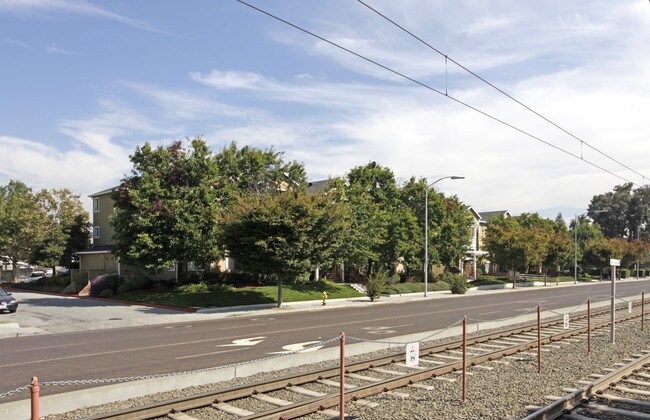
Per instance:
x=185, y=342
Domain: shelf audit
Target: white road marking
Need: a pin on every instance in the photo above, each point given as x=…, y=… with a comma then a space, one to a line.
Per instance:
x=299, y=348
x=488, y=313
x=244, y=342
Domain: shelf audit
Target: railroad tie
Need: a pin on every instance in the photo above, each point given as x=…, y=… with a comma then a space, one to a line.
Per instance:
x=362, y=377
x=400, y=395
x=432, y=362
x=410, y=367
x=334, y=384
x=636, y=382
x=304, y=391
x=443, y=378
x=180, y=416
x=618, y=411
x=631, y=390
x=231, y=409
x=422, y=386
x=629, y=401
x=271, y=400
x=331, y=414
x=386, y=371
x=552, y=398
x=365, y=403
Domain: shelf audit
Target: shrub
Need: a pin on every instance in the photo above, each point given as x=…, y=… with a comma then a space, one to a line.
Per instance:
x=58, y=280
x=457, y=282
x=376, y=284
x=201, y=287
x=106, y=293
x=625, y=273
x=104, y=282
x=134, y=282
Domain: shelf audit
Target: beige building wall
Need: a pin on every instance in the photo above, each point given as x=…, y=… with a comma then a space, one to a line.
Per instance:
x=98, y=262
x=101, y=219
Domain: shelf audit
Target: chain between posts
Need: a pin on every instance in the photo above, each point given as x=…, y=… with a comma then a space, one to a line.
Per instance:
x=403, y=343
x=165, y=375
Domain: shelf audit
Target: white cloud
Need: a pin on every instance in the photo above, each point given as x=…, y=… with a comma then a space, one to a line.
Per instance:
x=18, y=43
x=41, y=166
x=72, y=6
x=53, y=49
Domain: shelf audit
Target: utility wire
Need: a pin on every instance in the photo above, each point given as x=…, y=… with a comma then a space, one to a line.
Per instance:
x=424, y=85
x=582, y=142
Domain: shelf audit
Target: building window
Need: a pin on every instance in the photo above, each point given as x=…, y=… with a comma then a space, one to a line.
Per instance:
x=96, y=232
x=96, y=204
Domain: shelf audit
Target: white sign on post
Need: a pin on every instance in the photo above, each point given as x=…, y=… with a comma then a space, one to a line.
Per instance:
x=566, y=321
x=412, y=354
x=615, y=263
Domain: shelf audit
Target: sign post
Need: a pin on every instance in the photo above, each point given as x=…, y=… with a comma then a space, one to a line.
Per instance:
x=612, y=275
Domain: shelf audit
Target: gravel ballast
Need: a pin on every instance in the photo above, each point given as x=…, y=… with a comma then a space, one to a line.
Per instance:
x=499, y=393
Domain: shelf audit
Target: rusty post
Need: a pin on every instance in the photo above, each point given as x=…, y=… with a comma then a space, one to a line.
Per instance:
x=642, y=308
x=35, y=399
x=464, y=358
x=342, y=363
x=539, y=338
x=589, y=325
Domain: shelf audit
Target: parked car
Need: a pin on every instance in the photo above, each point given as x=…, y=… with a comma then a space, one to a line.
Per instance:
x=36, y=274
x=7, y=301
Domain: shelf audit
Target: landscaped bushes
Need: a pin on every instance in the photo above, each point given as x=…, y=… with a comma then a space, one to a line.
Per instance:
x=457, y=282
x=106, y=282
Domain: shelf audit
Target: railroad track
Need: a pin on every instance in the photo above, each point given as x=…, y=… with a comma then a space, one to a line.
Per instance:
x=623, y=393
x=319, y=390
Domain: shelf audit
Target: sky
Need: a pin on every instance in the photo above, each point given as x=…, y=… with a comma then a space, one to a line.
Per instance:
x=83, y=83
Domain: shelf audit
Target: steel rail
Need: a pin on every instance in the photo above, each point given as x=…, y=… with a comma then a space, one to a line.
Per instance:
x=160, y=409
x=576, y=398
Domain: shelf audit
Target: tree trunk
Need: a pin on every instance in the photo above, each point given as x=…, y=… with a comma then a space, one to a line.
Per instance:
x=279, y=293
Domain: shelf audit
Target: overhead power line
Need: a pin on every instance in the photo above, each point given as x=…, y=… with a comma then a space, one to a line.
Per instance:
x=447, y=58
x=426, y=86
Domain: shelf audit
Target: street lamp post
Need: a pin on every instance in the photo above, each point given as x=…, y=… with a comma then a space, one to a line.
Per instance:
x=426, y=229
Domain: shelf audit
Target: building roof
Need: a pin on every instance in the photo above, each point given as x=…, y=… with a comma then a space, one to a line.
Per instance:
x=317, y=186
x=99, y=249
x=108, y=191
x=487, y=215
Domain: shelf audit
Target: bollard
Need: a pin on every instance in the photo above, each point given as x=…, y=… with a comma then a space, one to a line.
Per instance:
x=539, y=338
x=464, y=358
x=324, y=297
x=35, y=399
x=642, y=308
x=342, y=383
x=589, y=325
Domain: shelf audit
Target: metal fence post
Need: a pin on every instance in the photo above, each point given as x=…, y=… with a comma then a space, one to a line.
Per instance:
x=464, y=358
x=342, y=377
x=36, y=389
x=589, y=325
x=539, y=338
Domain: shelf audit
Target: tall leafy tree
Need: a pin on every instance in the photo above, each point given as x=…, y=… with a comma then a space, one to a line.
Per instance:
x=285, y=235
x=67, y=228
x=167, y=206
x=22, y=223
x=251, y=170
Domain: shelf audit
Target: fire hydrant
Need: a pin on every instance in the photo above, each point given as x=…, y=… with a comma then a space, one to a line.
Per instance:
x=324, y=297
x=557, y=281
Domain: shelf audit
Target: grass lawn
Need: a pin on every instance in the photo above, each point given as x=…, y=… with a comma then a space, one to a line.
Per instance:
x=404, y=288
x=192, y=296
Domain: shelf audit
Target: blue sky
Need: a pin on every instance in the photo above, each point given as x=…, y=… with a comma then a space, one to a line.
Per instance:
x=82, y=83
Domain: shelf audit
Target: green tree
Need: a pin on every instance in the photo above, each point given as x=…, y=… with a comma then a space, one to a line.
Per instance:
x=596, y=254
x=612, y=211
x=22, y=223
x=285, y=236
x=251, y=170
x=67, y=228
x=167, y=206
